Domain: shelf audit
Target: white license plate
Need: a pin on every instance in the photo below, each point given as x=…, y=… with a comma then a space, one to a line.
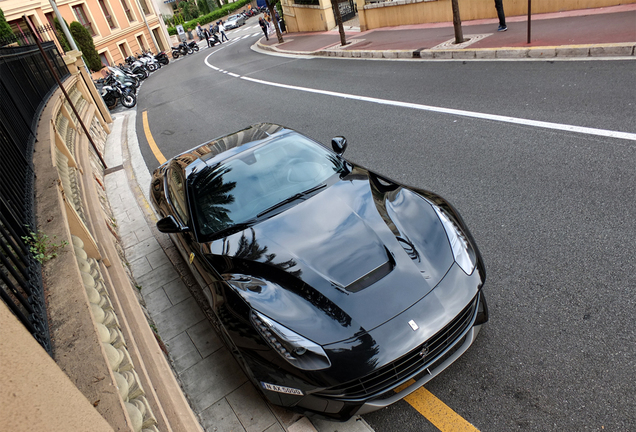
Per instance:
x=281, y=389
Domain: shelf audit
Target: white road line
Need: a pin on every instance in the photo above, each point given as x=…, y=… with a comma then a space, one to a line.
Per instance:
x=463, y=113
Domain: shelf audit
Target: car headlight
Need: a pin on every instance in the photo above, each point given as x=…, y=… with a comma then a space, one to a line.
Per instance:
x=462, y=250
x=297, y=350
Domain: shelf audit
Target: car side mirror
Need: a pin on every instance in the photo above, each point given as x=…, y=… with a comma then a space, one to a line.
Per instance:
x=169, y=225
x=339, y=144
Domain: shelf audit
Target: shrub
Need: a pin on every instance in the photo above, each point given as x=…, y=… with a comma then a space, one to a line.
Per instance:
x=61, y=37
x=5, y=28
x=84, y=42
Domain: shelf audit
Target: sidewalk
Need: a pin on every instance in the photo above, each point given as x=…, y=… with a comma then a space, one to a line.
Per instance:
x=218, y=391
x=604, y=32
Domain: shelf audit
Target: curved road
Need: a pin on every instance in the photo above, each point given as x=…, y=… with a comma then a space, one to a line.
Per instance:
x=552, y=207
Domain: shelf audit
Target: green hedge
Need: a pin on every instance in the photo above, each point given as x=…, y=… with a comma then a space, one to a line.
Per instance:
x=212, y=16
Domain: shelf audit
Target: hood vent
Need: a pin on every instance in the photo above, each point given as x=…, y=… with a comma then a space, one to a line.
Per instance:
x=373, y=276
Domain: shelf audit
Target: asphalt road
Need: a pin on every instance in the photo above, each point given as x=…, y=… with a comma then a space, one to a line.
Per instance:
x=553, y=211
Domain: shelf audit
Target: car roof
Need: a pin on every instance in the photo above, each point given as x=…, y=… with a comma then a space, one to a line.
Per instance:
x=226, y=146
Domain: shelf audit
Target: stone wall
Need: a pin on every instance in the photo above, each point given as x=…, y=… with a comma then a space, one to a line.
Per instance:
x=102, y=340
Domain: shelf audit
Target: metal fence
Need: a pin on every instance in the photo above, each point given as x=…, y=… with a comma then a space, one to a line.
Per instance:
x=26, y=84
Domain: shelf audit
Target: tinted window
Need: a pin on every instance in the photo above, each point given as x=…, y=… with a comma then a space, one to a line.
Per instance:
x=176, y=191
x=238, y=189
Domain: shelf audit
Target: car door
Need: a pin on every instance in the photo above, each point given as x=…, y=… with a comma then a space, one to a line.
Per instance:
x=185, y=241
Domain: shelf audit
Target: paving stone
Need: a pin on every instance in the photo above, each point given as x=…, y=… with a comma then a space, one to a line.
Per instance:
x=212, y=378
x=619, y=51
x=205, y=338
x=156, y=278
x=178, y=318
x=140, y=266
x=485, y=54
x=156, y=302
x=463, y=54
x=143, y=234
x=512, y=53
x=183, y=352
x=542, y=52
x=275, y=428
x=250, y=408
x=176, y=291
x=142, y=249
x=158, y=259
x=220, y=418
x=572, y=52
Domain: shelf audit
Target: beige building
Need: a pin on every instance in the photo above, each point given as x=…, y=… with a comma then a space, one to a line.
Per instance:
x=120, y=28
x=317, y=15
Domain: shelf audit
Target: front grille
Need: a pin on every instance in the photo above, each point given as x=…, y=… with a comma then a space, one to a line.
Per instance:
x=409, y=365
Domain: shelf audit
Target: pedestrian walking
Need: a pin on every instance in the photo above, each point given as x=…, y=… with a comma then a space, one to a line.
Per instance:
x=222, y=31
x=263, y=25
x=501, y=15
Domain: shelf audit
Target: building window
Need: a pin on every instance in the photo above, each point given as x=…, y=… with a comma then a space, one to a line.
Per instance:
x=129, y=14
x=104, y=59
x=50, y=19
x=140, y=41
x=124, y=52
x=109, y=18
x=155, y=32
x=83, y=18
x=144, y=7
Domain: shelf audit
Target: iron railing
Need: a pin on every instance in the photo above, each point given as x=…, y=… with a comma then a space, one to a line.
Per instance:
x=26, y=84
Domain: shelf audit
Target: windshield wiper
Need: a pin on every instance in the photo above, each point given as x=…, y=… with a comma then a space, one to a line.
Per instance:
x=291, y=199
x=234, y=228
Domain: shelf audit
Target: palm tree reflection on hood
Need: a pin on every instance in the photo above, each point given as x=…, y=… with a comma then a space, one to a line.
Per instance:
x=211, y=194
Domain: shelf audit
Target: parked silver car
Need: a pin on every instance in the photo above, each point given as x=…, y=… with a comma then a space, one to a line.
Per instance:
x=235, y=21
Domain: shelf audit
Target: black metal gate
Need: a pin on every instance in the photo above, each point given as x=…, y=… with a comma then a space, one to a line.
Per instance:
x=347, y=9
x=25, y=86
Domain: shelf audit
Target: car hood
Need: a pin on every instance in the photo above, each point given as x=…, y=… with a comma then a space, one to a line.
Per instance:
x=341, y=262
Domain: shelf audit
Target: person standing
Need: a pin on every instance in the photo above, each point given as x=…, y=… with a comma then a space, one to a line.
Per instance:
x=263, y=25
x=199, y=31
x=206, y=34
x=501, y=15
x=222, y=31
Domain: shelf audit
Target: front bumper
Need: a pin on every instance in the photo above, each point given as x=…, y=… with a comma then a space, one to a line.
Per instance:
x=320, y=402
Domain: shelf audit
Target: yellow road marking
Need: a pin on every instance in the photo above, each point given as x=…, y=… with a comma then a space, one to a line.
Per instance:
x=436, y=411
x=151, y=141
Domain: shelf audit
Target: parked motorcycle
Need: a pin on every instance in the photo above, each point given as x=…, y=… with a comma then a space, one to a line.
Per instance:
x=149, y=61
x=193, y=46
x=162, y=58
x=181, y=50
x=137, y=67
x=126, y=78
x=112, y=91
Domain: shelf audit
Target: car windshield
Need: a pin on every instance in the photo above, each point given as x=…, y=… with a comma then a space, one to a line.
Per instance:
x=252, y=183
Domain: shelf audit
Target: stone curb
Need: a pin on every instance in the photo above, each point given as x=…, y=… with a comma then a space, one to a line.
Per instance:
x=564, y=51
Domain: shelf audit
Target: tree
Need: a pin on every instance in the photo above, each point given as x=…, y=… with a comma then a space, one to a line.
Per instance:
x=272, y=13
x=61, y=37
x=204, y=8
x=5, y=28
x=84, y=42
x=336, y=14
x=457, y=23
